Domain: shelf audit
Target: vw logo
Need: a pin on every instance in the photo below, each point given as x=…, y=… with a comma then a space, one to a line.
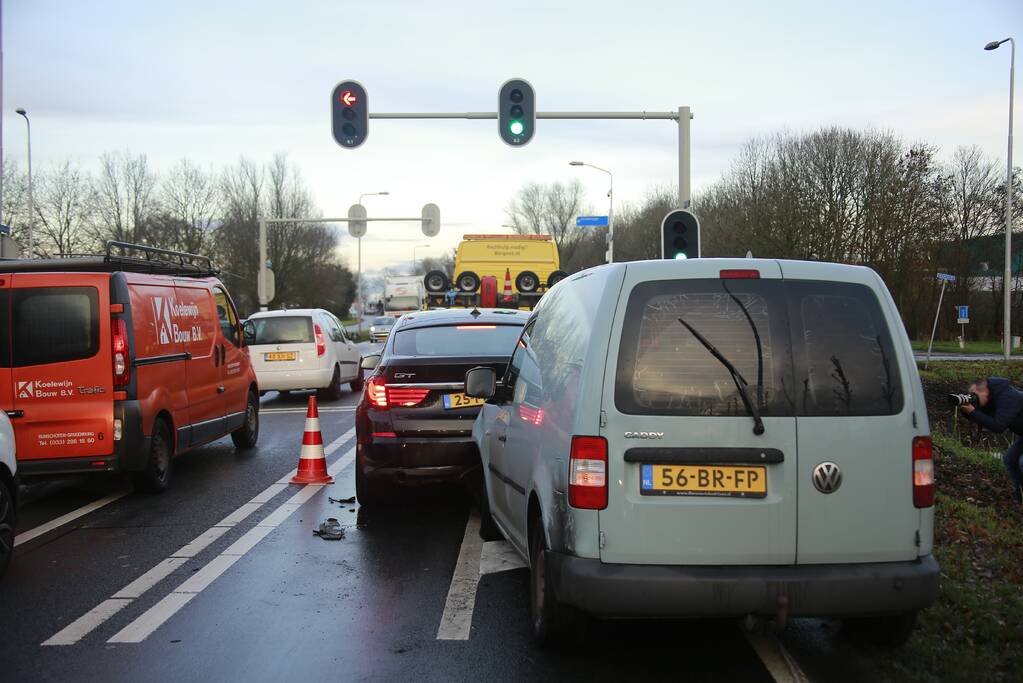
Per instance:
x=827, y=477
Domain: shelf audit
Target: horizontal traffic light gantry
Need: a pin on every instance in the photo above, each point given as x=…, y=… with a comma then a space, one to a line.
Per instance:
x=516, y=112
x=349, y=113
x=680, y=235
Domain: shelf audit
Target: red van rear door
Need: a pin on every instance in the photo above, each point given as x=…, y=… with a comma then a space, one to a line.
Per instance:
x=61, y=365
x=6, y=388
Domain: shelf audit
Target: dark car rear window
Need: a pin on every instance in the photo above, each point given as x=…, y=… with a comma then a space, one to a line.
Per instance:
x=282, y=330
x=54, y=325
x=457, y=340
x=825, y=349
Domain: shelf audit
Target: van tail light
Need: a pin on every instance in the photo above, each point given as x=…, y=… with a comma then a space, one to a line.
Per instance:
x=382, y=397
x=923, y=472
x=119, y=351
x=321, y=344
x=587, y=473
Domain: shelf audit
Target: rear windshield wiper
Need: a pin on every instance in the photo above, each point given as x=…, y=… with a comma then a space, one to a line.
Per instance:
x=740, y=381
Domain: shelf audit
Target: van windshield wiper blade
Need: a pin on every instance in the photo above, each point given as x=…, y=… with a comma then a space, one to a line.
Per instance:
x=740, y=381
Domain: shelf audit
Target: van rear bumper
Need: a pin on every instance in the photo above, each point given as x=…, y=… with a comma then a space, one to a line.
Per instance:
x=832, y=590
x=130, y=452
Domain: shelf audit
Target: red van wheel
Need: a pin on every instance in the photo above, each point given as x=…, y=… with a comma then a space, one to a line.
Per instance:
x=6, y=526
x=157, y=475
x=246, y=436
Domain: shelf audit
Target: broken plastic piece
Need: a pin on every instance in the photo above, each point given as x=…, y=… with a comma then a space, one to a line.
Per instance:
x=330, y=530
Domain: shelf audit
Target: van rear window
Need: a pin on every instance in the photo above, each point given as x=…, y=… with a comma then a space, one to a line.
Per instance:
x=282, y=330
x=825, y=349
x=54, y=325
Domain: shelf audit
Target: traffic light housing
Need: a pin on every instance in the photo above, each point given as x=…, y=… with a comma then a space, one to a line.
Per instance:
x=349, y=113
x=680, y=235
x=516, y=112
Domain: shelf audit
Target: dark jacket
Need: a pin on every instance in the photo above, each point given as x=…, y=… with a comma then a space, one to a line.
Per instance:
x=1004, y=409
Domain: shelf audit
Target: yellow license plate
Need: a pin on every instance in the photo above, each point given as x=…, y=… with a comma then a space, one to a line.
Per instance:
x=280, y=355
x=742, y=481
x=452, y=401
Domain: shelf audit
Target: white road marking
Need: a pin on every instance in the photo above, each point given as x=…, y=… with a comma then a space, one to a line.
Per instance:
x=499, y=556
x=38, y=531
x=777, y=660
x=157, y=615
x=456, y=621
x=95, y=617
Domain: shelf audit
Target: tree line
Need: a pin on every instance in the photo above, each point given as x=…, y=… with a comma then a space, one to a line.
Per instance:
x=212, y=212
x=834, y=194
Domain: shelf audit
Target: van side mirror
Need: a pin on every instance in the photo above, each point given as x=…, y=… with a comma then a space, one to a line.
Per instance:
x=248, y=332
x=370, y=362
x=481, y=383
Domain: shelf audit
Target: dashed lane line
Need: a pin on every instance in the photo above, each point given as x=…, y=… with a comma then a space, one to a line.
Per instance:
x=88, y=622
x=456, y=621
x=38, y=531
x=157, y=615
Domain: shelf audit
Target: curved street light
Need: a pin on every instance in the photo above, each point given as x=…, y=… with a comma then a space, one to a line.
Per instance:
x=610, y=208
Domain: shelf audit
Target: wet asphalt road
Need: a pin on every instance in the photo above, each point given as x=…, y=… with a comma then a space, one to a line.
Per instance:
x=292, y=605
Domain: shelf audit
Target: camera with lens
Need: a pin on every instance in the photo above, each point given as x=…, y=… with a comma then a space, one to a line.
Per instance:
x=964, y=399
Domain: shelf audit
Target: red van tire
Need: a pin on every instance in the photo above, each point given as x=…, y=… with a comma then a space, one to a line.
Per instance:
x=6, y=525
x=247, y=435
x=155, y=478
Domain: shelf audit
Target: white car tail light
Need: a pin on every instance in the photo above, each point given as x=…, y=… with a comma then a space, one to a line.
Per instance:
x=587, y=473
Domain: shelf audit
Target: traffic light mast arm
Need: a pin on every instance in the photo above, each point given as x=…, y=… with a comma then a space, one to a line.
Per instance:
x=642, y=115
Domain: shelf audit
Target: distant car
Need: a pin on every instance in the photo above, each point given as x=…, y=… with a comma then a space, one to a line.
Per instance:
x=302, y=348
x=380, y=328
x=414, y=423
x=8, y=492
x=714, y=438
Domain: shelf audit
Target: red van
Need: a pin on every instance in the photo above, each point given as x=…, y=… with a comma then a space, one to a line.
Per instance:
x=117, y=364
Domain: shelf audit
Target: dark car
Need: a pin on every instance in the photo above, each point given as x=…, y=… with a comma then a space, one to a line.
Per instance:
x=414, y=422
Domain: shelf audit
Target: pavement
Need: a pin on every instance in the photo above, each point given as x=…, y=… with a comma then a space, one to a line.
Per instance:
x=922, y=356
x=221, y=578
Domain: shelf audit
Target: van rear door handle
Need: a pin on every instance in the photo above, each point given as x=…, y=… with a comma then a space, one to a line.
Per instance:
x=221, y=389
x=502, y=438
x=15, y=413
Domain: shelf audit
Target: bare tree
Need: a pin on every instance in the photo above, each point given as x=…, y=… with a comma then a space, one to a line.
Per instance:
x=547, y=210
x=190, y=199
x=64, y=209
x=124, y=197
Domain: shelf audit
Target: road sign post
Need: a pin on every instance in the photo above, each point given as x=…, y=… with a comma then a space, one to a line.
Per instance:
x=945, y=278
x=963, y=319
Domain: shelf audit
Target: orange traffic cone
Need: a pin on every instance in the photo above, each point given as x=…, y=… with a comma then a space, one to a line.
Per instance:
x=507, y=294
x=312, y=462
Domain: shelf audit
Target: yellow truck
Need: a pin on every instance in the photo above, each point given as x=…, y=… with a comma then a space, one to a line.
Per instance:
x=483, y=263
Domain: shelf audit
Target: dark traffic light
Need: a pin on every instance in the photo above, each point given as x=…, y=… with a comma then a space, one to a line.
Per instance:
x=349, y=114
x=680, y=235
x=516, y=112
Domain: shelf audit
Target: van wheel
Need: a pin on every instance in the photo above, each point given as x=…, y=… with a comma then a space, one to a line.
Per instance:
x=357, y=383
x=887, y=632
x=552, y=620
x=157, y=475
x=333, y=390
x=436, y=281
x=245, y=437
x=556, y=277
x=6, y=526
x=468, y=281
x=527, y=281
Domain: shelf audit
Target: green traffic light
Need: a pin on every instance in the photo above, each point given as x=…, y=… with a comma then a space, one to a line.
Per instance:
x=516, y=127
x=680, y=257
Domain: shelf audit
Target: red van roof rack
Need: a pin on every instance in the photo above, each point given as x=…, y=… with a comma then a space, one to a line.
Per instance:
x=153, y=260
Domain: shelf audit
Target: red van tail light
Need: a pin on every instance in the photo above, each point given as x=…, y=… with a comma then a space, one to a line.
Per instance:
x=321, y=345
x=587, y=473
x=923, y=472
x=119, y=352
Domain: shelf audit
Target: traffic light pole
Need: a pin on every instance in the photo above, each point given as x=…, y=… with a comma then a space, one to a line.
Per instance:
x=683, y=116
x=264, y=299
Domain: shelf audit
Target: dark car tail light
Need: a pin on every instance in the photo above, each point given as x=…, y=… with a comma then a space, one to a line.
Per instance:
x=923, y=472
x=587, y=473
x=321, y=345
x=119, y=352
x=382, y=397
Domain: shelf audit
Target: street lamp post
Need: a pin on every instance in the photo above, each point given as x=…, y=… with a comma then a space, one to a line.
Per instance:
x=610, y=208
x=1006, y=332
x=31, y=197
x=358, y=281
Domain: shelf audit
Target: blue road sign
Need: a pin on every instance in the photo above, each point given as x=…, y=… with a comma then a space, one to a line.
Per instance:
x=946, y=277
x=964, y=311
x=5, y=229
x=591, y=221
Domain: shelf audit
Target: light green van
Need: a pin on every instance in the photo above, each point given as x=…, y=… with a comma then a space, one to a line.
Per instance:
x=714, y=437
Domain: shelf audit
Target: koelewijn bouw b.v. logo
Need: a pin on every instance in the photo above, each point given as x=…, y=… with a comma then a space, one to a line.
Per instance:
x=162, y=311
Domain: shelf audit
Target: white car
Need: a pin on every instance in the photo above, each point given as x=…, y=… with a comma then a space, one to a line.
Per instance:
x=8, y=492
x=304, y=348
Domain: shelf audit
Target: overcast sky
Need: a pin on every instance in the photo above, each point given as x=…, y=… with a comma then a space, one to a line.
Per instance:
x=216, y=81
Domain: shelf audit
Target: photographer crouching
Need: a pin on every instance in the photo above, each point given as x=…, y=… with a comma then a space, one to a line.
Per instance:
x=996, y=405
